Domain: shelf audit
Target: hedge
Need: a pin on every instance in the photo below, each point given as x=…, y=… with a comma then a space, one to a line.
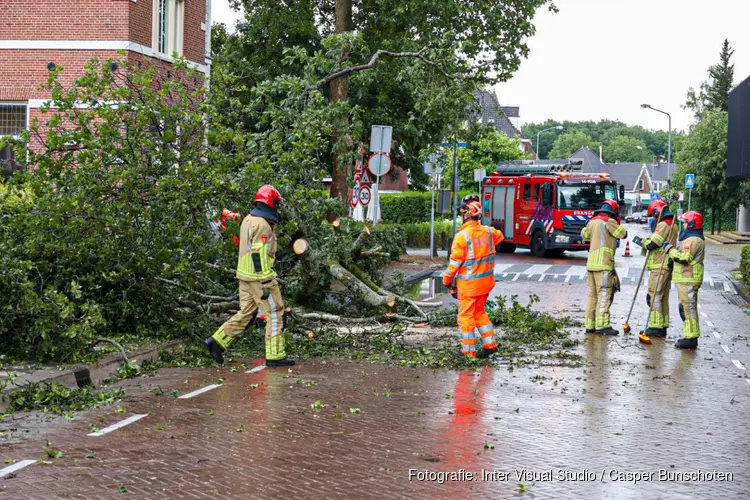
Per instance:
x=409, y=207
x=417, y=235
x=745, y=266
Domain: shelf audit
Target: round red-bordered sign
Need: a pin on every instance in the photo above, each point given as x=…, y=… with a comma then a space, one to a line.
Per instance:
x=354, y=196
x=365, y=195
x=379, y=167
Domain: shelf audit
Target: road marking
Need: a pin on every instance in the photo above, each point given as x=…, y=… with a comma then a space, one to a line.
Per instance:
x=505, y=275
x=709, y=324
x=118, y=425
x=700, y=307
x=704, y=314
x=623, y=272
x=537, y=269
x=726, y=349
x=518, y=275
x=567, y=278
x=716, y=334
x=16, y=466
x=541, y=278
x=556, y=276
x=728, y=288
x=748, y=381
x=576, y=270
x=738, y=364
x=499, y=268
x=710, y=283
x=257, y=369
x=199, y=391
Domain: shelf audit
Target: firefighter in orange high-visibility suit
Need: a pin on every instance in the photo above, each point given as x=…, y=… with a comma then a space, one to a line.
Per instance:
x=472, y=268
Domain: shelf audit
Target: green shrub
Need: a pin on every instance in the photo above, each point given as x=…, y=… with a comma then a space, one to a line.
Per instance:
x=418, y=235
x=410, y=207
x=745, y=266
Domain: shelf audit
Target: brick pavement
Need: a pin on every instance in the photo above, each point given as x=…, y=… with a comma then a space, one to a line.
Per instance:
x=632, y=408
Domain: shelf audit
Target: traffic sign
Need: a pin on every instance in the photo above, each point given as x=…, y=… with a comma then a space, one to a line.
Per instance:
x=689, y=181
x=380, y=138
x=365, y=178
x=457, y=144
x=654, y=195
x=365, y=195
x=354, y=196
x=379, y=164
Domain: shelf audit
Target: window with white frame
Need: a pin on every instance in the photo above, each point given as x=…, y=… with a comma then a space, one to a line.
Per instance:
x=168, y=26
x=13, y=119
x=640, y=185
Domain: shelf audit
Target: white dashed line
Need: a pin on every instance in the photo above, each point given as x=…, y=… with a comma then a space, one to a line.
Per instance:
x=567, y=278
x=541, y=278
x=505, y=275
x=748, y=381
x=728, y=288
x=257, y=369
x=199, y=391
x=518, y=275
x=16, y=466
x=704, y=314
x=709, y=324
x=738, y=364
x=118, y=425
x=556, y=276
x=716, y=334
x=726, y=349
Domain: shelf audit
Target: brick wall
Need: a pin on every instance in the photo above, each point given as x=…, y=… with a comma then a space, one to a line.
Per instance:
x=65, y=19
x=195, y=38
x=140, y=25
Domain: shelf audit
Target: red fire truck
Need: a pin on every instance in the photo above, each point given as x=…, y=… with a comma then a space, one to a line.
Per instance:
x=543, y=205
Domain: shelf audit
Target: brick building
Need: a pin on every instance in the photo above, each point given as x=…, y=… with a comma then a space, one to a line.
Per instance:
x=40, y=33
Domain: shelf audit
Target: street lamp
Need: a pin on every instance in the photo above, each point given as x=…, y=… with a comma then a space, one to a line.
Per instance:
x=556, y=127
x=669, y=147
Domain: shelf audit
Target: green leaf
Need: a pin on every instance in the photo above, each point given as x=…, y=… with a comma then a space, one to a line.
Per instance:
x=353, y=410
x=123, y=489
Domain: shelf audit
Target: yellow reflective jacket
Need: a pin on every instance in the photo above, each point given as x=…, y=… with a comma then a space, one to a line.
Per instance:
x=257, y=250
x=664, y=232
x=688, y=263
x=603, y=234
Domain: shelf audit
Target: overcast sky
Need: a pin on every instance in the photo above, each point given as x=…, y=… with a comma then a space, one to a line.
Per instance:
x=600, y=59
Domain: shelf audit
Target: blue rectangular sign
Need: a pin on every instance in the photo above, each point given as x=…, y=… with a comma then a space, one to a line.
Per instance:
x=689, y=181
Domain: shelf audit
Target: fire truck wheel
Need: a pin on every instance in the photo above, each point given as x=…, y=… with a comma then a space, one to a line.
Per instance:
x=555, y=252
x=537, y=244
x=506, y=248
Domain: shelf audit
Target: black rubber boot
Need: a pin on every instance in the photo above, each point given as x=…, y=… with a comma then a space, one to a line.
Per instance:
x=607, y=331
x=278, y=363
x=214, y=349
x=486, y=353
x=656, y=332
x=686, y=344
x=591, y=331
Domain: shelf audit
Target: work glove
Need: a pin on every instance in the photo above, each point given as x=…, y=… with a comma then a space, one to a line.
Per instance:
x=454, y=292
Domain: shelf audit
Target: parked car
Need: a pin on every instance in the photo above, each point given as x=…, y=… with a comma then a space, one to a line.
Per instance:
x=637, y=217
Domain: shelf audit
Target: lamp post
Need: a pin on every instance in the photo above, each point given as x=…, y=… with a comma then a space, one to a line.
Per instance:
x=556, y=127
x=669, y=146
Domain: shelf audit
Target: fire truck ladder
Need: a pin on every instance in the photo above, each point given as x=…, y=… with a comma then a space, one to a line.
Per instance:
x=523, y=167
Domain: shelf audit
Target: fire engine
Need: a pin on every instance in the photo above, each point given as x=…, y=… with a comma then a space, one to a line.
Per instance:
x=543, y=205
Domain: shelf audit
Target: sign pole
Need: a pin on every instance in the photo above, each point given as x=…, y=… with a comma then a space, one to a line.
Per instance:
x=432, y=219
x=455, y=183
x=690, y=191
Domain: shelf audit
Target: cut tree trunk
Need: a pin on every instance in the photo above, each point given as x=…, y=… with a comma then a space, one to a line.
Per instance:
x=353, y=283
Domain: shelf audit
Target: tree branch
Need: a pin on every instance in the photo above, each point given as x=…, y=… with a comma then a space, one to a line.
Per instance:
x=374, y=60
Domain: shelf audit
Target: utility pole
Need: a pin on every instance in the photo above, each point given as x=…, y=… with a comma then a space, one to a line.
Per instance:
x=455, y=183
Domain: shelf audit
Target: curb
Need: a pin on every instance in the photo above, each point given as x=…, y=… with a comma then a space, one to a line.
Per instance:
x=99, y=371
x=741, y=290
x=420, y=276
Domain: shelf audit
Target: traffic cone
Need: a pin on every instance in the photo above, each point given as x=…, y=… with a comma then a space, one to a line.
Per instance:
x=627, y=249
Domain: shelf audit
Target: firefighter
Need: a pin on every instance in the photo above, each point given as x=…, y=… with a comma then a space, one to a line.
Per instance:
x=258, y=288
x=688, y=275
x=603, y=231
x=664, y=232
x=472, y=268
